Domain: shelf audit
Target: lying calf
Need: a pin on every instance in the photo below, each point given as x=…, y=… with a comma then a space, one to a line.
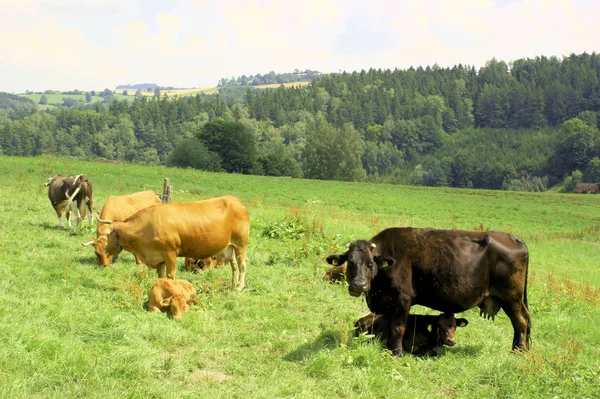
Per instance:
x=196, y=265
x=423, y=334
x=335, y=273
x=172, y=296
x=225, y=256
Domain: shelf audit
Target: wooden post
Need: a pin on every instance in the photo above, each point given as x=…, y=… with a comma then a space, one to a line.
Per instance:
x=166, y=196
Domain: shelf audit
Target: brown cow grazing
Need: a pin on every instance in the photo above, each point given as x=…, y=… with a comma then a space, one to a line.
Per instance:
x=447, y=270
x=423, y=335
x=159, y=234
x=335, y=274
x=71, y=194
x=171, y=296
x=119, y=208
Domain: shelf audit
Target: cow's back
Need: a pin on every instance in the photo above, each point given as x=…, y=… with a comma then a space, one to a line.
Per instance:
x=123, y=206
x=447, y=270
x=197, y=229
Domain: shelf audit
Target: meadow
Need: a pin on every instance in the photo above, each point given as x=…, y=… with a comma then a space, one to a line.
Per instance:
x=69, y=328
x=56, y=99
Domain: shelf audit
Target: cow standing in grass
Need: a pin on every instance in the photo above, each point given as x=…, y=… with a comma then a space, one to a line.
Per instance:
x=71, y=194
x=157, y=235
x=446, y=270
x=118, y=207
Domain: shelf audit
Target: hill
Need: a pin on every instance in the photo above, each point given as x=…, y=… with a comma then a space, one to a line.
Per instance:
x=141, y=86
x=71, y=328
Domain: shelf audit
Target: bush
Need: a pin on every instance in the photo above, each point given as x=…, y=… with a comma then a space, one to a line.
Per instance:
x=193, y=153
x=526, y=183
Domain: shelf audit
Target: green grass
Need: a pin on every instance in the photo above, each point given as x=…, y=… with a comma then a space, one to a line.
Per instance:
x=71, y=329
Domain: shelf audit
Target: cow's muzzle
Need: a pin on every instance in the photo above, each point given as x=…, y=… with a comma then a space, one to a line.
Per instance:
x=355, y=289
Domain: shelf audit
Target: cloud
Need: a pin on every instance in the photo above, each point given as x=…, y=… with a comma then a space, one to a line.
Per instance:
x=92, y=44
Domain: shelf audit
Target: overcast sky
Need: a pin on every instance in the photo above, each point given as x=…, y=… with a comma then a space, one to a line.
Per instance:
x=97, y=44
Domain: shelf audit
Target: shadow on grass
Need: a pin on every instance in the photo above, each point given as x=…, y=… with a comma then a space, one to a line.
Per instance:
x=466, y=350
x=327, y=340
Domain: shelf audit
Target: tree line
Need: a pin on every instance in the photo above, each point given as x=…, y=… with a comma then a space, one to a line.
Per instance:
x=521, y=126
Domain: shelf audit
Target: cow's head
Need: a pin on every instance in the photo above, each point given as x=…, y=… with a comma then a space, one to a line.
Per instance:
x=100, y=245
x=363, y=263
x=176, y=305
x=105, y=244
x=447, y=328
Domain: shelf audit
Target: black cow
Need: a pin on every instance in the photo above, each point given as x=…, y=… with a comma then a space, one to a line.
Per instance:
x=446, y=270
x=423, y=335
x=68, y=193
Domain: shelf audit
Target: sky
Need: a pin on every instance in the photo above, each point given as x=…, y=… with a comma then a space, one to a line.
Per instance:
x=97, y=44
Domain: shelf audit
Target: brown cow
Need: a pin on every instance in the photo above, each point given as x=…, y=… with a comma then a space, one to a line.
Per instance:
x=171, y=296
x=159, y=234
x=447, y=270
x=71, y=194
x=423, y=335
x=119, y=208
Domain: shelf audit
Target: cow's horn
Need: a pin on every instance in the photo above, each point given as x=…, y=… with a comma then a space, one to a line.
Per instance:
x=348, y=245
x=87, y=244
x=103, y=221
x=373, y=245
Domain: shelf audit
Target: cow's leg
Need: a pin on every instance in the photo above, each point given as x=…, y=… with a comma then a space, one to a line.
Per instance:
x=161, y=270
x=89, y=211
x=68, y=216
x=170, y=263
x=75, y=211
x=519, y=316
x=235, y=273
x=242, y=260
x=59, y=216
x=397, y=326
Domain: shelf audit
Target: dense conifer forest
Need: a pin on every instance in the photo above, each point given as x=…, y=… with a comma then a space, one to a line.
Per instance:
x=525, y=125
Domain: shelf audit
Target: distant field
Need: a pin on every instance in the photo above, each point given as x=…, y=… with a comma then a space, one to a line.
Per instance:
x=69, y=328
x=275, y=85
x=57, y=99
x=172, y=93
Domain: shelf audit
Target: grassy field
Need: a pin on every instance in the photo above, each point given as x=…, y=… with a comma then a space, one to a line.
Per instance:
x=172, y=93
x=57, y=99
x=70, y=329
x=276, y=85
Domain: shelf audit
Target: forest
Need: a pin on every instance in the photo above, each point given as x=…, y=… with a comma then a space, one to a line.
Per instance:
x=525, y=125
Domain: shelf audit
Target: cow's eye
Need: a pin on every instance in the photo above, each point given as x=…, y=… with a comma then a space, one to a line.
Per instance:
x=370, y=264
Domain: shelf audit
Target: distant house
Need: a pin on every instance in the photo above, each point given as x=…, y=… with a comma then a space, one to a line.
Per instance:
x=586, y=188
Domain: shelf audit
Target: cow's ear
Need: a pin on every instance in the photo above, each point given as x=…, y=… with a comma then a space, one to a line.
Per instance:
x=384, y=261
x=461, y=322
x=336, y=260
x=166, y=301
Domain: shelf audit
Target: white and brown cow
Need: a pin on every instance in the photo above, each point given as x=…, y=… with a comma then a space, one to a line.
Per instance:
x=71, y=194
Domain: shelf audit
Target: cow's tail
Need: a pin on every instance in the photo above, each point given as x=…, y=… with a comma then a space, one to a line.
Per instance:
x=76, y=191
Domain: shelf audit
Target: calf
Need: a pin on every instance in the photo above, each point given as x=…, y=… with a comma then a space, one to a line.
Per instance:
x=424, y=334
x=71, y=194
x=335, y=274
x=220, y=259
x=171, y=296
